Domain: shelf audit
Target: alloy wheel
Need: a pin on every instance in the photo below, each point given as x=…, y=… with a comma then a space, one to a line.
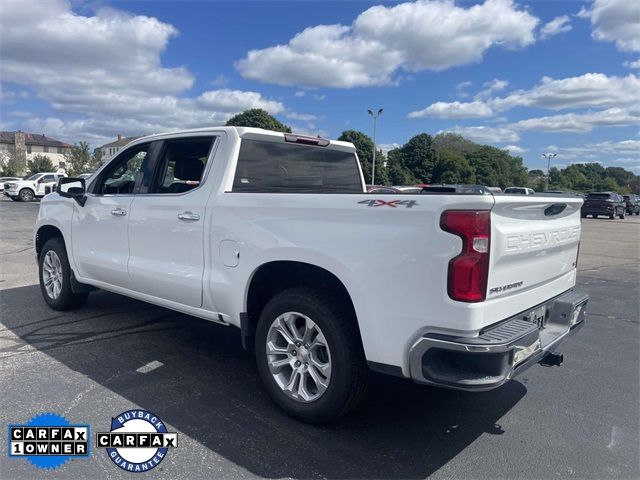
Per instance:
x=299, y=357
x=52, y=274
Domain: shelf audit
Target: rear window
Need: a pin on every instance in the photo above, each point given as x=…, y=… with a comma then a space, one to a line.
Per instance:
x=598, y=196
x=271, y=167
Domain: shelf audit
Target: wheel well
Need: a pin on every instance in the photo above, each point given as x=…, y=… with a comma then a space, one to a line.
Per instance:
x=274, y=277
x=46, y=233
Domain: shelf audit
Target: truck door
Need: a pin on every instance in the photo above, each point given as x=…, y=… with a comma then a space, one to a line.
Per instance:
x=100, y=227
x=46, y=180
x=167, y=222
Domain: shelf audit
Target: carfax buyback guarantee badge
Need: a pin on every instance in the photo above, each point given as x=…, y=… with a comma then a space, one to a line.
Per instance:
x=48, y=440
x=138, y=441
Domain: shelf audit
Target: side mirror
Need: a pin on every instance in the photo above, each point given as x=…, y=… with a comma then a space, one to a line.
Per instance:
x=73, y=188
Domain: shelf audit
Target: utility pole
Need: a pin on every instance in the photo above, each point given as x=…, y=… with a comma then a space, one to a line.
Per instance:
x=548, y=156
x=373, y=167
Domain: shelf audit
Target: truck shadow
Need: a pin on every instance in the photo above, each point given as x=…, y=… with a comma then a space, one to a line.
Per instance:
x=208, y=388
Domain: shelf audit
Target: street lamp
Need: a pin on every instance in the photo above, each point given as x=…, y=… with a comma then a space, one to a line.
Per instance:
x=375, y=120
x=548, y=156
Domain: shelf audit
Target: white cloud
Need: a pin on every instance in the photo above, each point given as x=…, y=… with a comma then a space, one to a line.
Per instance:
x=103, y=74
x=558, y=25
x=454, y=110
x=515, y=149
x=581, y=122
x=303, y=117
x=484, y=134
x=624, y=148
x=615, y=21
x=422, y=35
x=300, y=93
x=632, y=63
x=591, y=90
x=495, y=85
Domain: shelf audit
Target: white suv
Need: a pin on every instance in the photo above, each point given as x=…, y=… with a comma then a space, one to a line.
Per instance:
x=33, y=187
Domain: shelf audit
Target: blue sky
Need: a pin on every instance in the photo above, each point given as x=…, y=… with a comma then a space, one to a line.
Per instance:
x=528, y=76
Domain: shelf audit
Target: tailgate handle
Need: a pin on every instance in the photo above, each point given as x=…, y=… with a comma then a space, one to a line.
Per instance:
x=555, y=209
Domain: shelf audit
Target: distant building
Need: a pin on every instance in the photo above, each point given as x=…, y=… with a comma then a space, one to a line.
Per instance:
x=26, y=145
x=109, y=150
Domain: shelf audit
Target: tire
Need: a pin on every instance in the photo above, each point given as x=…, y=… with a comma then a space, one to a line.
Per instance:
x=348, y=372
x=583, y=215
x=26, y=195
x=612, y=216
x=621, y=216
x=594, y=216
x=53, y=258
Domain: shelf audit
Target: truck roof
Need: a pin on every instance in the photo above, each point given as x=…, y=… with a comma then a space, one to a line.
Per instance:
x=243, y=132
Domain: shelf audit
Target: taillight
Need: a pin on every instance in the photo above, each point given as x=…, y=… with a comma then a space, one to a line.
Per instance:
x=468, y=272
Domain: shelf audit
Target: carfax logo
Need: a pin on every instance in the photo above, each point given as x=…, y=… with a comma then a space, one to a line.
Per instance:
x=138, y=440
x=48, y=441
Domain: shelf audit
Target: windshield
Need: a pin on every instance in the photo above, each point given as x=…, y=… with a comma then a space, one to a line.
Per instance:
x=598, y=196
x=34, y=177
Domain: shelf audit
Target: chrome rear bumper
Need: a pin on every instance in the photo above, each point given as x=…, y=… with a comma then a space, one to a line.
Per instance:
x=500, y=352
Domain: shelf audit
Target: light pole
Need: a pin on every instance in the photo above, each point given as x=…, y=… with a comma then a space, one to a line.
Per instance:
x=548, y=156
x=375, y=120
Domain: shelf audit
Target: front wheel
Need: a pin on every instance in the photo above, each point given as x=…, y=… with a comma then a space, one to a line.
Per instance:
x=310, y=356
x=26, y=195
x=55, y=277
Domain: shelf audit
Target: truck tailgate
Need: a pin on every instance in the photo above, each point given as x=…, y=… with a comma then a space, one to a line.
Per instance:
x=534, y=240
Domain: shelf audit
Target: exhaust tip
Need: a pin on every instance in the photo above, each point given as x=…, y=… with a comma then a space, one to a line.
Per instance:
x=552, y=359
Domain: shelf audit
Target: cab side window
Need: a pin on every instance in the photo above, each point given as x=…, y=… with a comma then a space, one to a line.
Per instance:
x=124, y=173
x=47, y=179
x=181, y=164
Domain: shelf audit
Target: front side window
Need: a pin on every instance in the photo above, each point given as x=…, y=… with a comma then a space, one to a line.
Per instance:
x=274, y=167
x=121, y=175
x=48, y=178
x=181, y=165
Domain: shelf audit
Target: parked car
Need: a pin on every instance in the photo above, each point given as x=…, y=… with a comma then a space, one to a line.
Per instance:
x=494, y=189
x=33, y=187
x=4, y=180
x=632, y=204
x=610, y=204
x=519, y=191
x=275, y=234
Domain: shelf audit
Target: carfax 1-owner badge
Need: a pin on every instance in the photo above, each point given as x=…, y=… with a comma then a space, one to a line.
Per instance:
x=48, y=440
x=138, y=440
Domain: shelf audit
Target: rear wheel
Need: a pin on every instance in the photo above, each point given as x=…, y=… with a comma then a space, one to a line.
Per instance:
x=55, y=277
x=26, y=195
x=309, y=356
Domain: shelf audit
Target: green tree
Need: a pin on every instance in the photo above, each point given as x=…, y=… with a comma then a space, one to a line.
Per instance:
x=96, y=160
x=454, y=142
x=364, y=149
x=9, y=164
x=39, y=163
x=418, y=157
x=77, y=159
x=453, y=167
x=259, y=118
x=398, y=174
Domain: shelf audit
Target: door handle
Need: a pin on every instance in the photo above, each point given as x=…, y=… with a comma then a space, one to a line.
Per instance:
x=194, y=217
x=118, y=211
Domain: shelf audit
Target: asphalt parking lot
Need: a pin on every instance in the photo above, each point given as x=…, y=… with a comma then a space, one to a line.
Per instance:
x=580, y=420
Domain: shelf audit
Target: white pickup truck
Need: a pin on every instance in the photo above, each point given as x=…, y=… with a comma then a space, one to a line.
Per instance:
x=275, y=234
x=33, y=187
